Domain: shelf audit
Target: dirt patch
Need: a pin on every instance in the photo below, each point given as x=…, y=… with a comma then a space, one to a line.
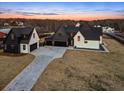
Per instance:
x=83, y=70
x=10, y=66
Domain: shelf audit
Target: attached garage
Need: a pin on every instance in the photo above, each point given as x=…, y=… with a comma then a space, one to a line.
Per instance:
x=57, y=43
x=33, y=46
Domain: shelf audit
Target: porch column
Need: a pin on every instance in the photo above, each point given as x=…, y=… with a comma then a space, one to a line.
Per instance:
x=66, y=43
x=53, y=42
x=44, y=43
x=71, y=42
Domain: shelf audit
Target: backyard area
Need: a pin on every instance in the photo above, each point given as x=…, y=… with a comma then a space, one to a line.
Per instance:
x=11, y=65
x=85, y=70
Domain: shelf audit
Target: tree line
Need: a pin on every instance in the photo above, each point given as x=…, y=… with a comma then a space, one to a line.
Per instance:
x=52, y=25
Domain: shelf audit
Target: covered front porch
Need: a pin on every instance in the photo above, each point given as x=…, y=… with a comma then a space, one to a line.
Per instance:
x=56, y=43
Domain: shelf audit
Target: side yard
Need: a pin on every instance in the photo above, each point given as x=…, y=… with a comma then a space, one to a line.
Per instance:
x=11, y=65
x=82, y=70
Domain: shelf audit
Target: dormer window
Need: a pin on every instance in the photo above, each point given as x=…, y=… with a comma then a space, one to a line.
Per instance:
x=33, y=35
x=12, y=36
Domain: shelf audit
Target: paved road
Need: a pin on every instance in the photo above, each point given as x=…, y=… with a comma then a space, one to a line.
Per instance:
x=28, y=77
x=116, y=37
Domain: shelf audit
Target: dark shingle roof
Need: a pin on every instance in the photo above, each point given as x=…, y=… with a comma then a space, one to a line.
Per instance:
x=23, y=35
x=68, y=31
x=71, y=30
x=60, y=35
x=91, y=33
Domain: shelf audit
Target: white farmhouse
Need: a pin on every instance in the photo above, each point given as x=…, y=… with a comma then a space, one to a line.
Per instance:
x=21, y=40
x=88, y=37
x=6, y=24
x=78, y=36
x=20, y=24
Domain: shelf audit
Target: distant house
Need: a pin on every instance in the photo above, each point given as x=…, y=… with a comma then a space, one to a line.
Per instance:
x=6, y=24
x=88, y=37
x=20, y=24
x=78, y=36
x=21, y=40
x=2, y=36
x=5, y=30
x=108, y=29
x=97, y=25
x=62, y=37
x=77, y=25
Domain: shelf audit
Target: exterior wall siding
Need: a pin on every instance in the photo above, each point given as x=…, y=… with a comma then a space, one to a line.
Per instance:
x=101, y=40
x=90, y=44
x=34, y=40
x=76, y=42
x=26, y=48
x=107, y=29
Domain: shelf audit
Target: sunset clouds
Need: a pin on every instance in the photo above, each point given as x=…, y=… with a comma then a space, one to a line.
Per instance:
x=76, y=11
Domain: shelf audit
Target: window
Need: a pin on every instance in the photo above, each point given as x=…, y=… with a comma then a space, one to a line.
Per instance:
x=12, y=36
x=24, y=47
x=78, y=38
x=33, y=35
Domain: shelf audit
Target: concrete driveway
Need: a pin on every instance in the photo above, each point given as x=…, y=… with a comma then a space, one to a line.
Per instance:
x=51, y=51
x=28, y=77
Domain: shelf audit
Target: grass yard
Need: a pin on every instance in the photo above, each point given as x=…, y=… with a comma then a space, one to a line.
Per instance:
x=11, y=65
x=81, y=70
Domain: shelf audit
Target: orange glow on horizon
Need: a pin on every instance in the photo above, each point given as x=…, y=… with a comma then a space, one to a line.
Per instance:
x=63, y=17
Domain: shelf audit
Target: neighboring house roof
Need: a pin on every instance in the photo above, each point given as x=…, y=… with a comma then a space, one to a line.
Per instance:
x=63, y=33
x=50, y=38
x=2, y=35
x=22, y=35
x=60, y=35
x=91, y=33
x=5, y=30
x=69, y=31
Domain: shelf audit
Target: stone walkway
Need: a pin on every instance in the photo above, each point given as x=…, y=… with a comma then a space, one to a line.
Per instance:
x=28, y=77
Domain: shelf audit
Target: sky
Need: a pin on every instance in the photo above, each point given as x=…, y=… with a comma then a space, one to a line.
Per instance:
x=62, y=10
